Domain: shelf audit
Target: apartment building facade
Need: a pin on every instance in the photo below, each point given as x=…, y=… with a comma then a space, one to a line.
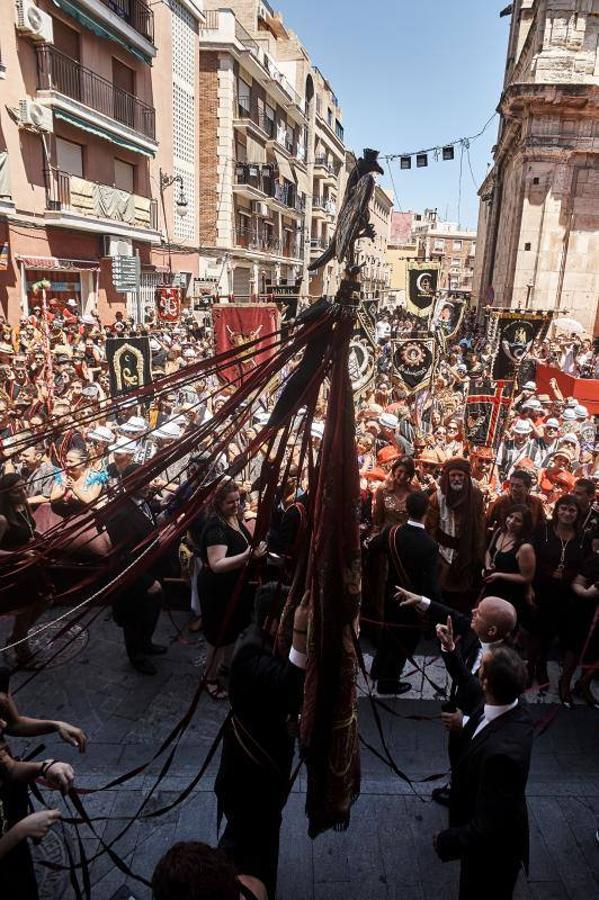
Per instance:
x=372, y=255
x=99, y=99
x=400, y=249
x=269, y=156
x=452, y=246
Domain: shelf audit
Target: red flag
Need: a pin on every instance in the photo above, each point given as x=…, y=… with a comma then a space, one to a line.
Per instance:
x=168, y=303
x=236, y=324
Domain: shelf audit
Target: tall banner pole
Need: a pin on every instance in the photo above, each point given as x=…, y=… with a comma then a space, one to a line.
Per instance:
x=40, y=286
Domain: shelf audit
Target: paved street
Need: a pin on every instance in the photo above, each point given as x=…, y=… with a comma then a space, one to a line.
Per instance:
x=387, y=852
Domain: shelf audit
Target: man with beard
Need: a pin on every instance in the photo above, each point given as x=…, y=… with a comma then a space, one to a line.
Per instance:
x=456, y=520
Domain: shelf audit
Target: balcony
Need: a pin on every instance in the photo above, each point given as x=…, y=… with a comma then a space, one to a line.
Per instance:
x=73, y=202
x=286, y=199
x=255, y=242
x=256, y=123
x=317, y=246
x=136, y=14
x=254, y=181
x=323, y=207
x=96, y=105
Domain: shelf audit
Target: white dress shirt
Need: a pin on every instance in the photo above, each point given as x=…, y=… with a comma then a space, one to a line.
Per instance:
x=492, y=712
x=417, y=525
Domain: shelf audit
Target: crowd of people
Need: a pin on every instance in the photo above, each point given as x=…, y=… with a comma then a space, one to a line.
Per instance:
x=510, y=532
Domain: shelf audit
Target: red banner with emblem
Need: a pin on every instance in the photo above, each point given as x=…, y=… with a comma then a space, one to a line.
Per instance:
x=168, y=303
x=236, y=324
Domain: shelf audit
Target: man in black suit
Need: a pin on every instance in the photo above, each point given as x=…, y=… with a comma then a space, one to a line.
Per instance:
x=266, y=694
x=136, y=609
x=464, y=638
x=488, y=819
x=413, y=563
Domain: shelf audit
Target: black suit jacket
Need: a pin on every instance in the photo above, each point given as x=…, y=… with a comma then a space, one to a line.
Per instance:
x=487, y=810
x=465, y=688
x=264, y=691
x=419, y=554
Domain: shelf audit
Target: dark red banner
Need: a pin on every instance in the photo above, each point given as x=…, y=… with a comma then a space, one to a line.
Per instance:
x=168, y=303
x=236, y=324
x=586, y=390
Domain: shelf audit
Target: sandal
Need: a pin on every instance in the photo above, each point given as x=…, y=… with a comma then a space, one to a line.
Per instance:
x=215, y=691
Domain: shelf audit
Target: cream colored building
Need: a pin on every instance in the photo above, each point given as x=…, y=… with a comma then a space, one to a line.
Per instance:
x=372, y=255
x=401, y=248
x=271, y=145
x=538, y=234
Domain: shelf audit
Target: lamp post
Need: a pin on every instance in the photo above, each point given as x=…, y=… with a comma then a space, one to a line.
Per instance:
x=181, y=205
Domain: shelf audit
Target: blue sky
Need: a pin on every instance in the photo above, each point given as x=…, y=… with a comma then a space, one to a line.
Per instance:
x=411, y=74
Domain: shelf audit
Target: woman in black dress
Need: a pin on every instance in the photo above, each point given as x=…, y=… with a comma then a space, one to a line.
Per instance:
x=561, y=548
x=510, y=562
x=582, y=634
x=225, y=597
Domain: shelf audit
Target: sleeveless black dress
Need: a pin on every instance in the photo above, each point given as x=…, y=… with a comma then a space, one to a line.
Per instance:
x=226, y=612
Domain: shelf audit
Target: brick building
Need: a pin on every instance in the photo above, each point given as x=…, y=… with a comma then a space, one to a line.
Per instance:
x=453, y=247
x=538, y=229
x=82, y=146
x=400, y=249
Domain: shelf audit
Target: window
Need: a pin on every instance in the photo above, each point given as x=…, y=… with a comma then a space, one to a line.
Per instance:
x=244, y=94
x=527, y=246
x=69, y=157
x=339, y=131
x=124, y=176
x=439, y=245
x=456, y=262
x=457, y=245
x=330, y=117
x=123, y=78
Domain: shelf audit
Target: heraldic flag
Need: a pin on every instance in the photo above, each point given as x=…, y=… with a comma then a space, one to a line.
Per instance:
x=236, y=324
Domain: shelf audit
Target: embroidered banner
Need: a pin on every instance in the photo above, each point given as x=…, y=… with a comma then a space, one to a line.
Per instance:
x=422, y=279
x=236, y=324
x=447, y=318
x=129, y=363
x=487, y=406
x=168, y=303
x=516, y=333
x=413, y=361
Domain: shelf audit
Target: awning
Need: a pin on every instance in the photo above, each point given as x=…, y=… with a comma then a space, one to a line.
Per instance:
x=302, y=181
x=65, y=265
x=256, y=152
x=103, y=31
x=284, y=168
x=102, y=133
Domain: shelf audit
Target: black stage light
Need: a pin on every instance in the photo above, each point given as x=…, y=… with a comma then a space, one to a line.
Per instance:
x=405, y=162
x=448, y=153
x=422, y=160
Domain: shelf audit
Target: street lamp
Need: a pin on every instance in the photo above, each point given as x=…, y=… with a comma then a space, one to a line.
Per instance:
x=181, y=203
x=181, y=207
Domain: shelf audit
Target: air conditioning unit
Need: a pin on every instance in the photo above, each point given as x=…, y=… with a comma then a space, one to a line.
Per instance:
x=34, y=22
x=259, y=208
x=117, y=246
x=35, y=115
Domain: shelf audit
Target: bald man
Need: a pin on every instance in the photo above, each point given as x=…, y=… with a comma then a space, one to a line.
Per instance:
x=489, y=625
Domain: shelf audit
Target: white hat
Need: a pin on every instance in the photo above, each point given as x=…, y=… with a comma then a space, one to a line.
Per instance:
x=72, y=302
x=581, y=412
x=569, y=414
x=137, y=422
x=569, y=438
x=533, y=403
x=88, y=320
x=123, y=445
x=388, y=420
x=262, y=418
x=168, y=430
x=529, y=386
x=189, y=353
x=522, y=427
x=551, y=423
x=317, y=430
x=101, y=433
x=571, y=403
x=154, y=344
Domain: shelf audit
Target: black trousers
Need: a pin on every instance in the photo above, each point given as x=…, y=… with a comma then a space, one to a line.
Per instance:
x=397, y=641
x=251, y=840
x=488, y=878
x=137, y=613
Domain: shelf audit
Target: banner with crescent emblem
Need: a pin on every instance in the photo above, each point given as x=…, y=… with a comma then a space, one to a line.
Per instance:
x=129, y=363
x=236, y=324
x=447, y=318
x=413, y=361
x=422, y=280
x=362, y=363
x=168, y=303
x=516, y=333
